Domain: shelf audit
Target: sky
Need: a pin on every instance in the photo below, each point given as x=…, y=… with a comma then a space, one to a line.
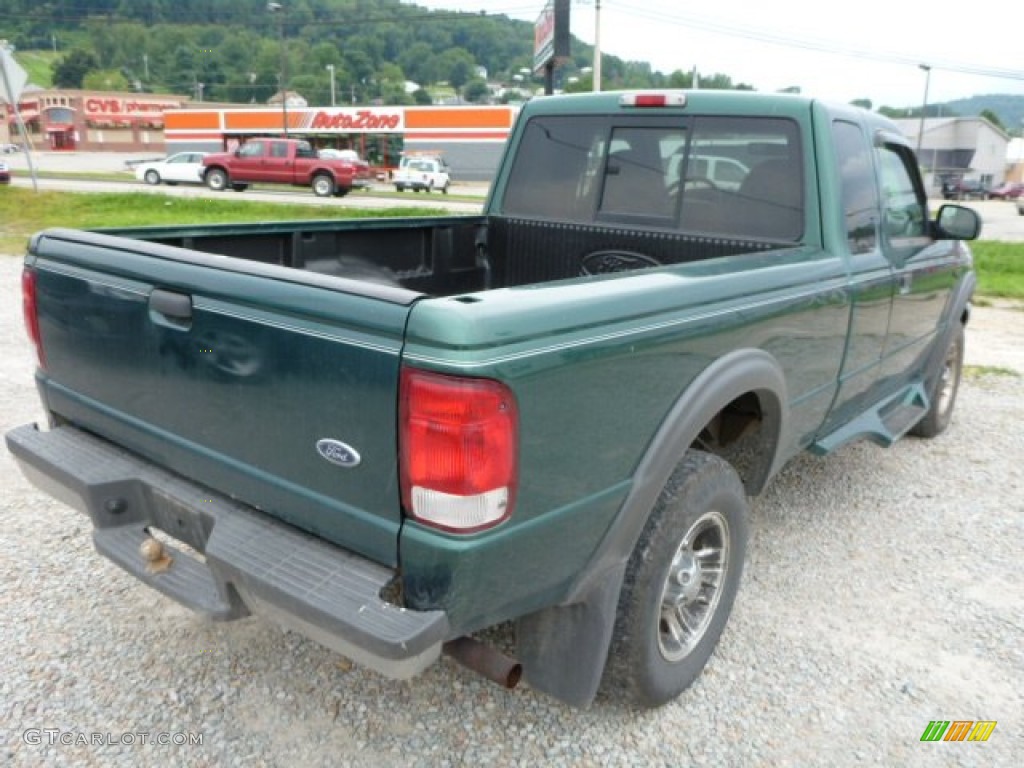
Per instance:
x=868, y=49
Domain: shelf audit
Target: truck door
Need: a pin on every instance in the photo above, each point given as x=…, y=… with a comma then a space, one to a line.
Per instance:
x=871, y=273
x=249, y=160
x=279, y=167
x=924, y=269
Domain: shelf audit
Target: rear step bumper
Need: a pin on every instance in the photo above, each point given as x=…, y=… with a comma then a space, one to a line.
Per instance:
x=249, y=561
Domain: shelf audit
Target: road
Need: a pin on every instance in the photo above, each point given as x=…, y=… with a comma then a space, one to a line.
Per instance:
x=76, y=163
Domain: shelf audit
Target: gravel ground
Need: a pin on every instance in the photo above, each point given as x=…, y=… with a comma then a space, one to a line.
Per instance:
x=884, y=589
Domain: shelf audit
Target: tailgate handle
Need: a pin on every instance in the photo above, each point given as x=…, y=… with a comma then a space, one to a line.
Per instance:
x=166, y=307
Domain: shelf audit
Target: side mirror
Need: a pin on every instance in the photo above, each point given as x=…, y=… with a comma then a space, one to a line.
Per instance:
x=955, y=222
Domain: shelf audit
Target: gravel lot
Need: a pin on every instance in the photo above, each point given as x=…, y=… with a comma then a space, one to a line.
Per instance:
x=884, y=589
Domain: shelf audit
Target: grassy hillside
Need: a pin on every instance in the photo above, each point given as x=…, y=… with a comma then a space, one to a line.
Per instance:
x=38, y=66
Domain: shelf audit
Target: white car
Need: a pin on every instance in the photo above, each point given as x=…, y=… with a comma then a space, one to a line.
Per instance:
x=184, y=168
x=422, y=173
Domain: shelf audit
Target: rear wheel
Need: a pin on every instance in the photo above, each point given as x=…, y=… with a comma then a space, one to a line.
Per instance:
x=943, y=394
x=323, y=185
x=680, y=583
x=216, y=179
x=152, y=177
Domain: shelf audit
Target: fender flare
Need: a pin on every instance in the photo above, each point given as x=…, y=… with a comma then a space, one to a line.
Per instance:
x=580, y=627
x=958, y=315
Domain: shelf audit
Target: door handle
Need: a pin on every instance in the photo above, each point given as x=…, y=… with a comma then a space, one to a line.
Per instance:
x=906, y=281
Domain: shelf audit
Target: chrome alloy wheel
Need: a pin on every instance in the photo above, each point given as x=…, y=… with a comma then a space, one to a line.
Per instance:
x=946, y=390
x=693, y=586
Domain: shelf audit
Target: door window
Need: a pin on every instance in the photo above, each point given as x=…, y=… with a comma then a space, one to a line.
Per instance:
x=904, y=221
x=857, y=184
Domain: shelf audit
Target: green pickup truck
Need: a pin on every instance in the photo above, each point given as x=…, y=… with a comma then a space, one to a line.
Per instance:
x=393, y=434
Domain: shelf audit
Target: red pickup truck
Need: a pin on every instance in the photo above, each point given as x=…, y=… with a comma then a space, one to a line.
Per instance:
x=284, y=161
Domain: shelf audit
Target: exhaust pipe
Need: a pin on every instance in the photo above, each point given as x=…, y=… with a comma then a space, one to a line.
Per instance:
x=485, y=661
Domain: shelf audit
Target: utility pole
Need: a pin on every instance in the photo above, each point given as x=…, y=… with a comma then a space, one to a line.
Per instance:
x=597, y=45
x=330, y=68
x=278, y=9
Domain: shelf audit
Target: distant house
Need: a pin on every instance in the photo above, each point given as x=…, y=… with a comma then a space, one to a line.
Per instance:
x=294, y=99
x=959, y=148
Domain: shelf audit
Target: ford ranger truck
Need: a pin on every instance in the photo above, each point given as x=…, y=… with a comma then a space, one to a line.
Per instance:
x=284, y=161
x=393, y=434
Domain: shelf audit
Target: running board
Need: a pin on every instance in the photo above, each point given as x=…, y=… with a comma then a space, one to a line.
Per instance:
x=884, y=424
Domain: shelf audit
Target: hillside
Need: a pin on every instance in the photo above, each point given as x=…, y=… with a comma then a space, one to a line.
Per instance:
x=363, y=50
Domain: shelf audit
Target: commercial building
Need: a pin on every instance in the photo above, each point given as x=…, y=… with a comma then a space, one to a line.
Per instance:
x=954, y=148
x=471, y=138
x=68, y=119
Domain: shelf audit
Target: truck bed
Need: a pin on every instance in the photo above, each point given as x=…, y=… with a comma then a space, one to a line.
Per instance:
x=448, y=256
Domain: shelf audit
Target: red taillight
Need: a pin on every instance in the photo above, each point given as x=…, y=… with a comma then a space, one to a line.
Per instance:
x=458, y=440
x=30, y=308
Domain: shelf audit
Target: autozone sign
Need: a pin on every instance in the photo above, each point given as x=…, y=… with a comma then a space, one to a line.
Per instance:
x=368, y=120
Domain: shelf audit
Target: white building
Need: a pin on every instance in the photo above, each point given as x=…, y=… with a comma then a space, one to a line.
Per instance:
x=959, y=148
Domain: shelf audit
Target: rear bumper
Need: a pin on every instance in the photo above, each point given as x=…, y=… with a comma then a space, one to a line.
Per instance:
x=249, y=561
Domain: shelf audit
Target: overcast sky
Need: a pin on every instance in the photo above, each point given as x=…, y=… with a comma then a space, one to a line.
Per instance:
x=864, y=49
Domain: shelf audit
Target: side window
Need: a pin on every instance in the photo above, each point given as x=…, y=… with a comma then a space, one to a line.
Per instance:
x=252, y=149
x=903, y=204
x=857, y=183
x=278, y=149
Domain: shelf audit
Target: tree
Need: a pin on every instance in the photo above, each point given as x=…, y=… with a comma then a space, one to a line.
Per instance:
x=862, y=103
x=70, y=71
x=476, y=91
x=993, y=118
x=105, y=80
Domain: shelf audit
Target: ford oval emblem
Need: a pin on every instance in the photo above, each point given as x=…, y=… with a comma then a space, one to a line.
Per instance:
x=338, y=453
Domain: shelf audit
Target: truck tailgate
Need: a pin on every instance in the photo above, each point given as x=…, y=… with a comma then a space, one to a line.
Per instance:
x=272, y=386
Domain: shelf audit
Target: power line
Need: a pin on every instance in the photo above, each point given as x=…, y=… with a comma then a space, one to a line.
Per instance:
x=819, y=46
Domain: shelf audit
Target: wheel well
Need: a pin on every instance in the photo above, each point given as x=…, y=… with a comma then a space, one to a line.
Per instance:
x=740, y=434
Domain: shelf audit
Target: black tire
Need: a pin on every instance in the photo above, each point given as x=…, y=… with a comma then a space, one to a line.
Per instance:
x=686, y=567
x=217, y=179
x=152, y=177
x=323, y=185
x=944, y=391
x=399, y=188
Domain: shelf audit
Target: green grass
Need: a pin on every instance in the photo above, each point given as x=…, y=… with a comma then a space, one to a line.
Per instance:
x=38, y=65
x=1000, y=268
x=24, y=212
x=977, y=371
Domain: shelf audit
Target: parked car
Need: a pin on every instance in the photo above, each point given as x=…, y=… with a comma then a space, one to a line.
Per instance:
x=9, y=149
x=422, y=173
x=1009, y=190
x=5, y=173
x=964, y=189
x=183, y=168
x=338, y=154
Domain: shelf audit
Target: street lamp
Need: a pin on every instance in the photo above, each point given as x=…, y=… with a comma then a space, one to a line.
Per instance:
x=330, y=68
x=278, y=8
x=924, y=106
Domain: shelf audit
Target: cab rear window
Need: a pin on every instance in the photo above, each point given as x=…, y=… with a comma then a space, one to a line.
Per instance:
x=726, y=176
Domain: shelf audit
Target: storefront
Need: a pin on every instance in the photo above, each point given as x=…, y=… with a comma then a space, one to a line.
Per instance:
x=471, y=138
x=92, y=120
